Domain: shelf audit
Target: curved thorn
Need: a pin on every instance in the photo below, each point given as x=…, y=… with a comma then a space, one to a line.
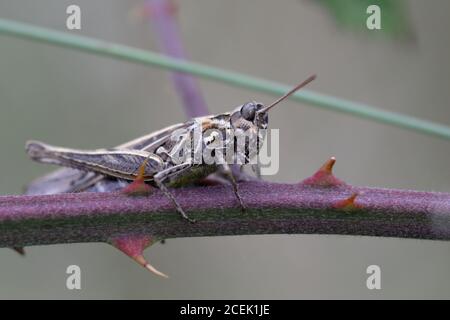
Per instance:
x=19, y=250
x=141, y=260
x=324, y=177
x=328, y=166
x=138, y=186
x=349, y=203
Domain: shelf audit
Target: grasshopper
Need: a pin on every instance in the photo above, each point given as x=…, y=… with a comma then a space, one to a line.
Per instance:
x=155, y=155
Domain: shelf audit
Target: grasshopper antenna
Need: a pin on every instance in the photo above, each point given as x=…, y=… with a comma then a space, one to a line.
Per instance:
x=292, y=91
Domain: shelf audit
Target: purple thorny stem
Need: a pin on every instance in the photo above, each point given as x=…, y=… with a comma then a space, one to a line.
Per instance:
x=161, y=14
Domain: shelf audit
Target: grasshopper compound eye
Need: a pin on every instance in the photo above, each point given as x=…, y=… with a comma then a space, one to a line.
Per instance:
x=248, y=111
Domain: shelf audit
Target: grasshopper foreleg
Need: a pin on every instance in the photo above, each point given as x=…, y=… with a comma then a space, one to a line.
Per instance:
x=225, y=168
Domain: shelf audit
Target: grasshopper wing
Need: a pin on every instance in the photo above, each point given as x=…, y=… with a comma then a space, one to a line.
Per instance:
x=66, y=180
x=122, y=164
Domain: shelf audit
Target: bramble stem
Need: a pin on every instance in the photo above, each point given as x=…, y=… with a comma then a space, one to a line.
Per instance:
x=271, y=208
x=99, y=47
x=161, y=15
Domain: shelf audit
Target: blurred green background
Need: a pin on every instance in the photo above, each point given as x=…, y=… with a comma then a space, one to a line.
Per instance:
x=79, y=100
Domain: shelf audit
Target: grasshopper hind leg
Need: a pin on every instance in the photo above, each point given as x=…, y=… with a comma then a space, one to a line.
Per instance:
x=167, y=193
x=159, y=179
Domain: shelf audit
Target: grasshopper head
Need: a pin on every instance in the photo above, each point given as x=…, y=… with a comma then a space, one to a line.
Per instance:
x=248, y=116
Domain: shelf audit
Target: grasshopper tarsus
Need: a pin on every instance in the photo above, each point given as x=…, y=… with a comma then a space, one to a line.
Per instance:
x=238, y=196
x=185, y=216
x=190, y=220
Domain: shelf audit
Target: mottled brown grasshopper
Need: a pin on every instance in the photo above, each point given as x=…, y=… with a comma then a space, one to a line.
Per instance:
x=157, y=155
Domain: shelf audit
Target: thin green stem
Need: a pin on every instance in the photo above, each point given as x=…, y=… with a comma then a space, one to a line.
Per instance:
x=130, y=54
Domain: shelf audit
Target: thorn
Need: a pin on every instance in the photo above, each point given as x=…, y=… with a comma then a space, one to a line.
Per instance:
x=19, y=250
x=133, y=246
x=328, y=166
x=141, y=260
x=349, y=203
x=324, y=177
x=138, y=187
